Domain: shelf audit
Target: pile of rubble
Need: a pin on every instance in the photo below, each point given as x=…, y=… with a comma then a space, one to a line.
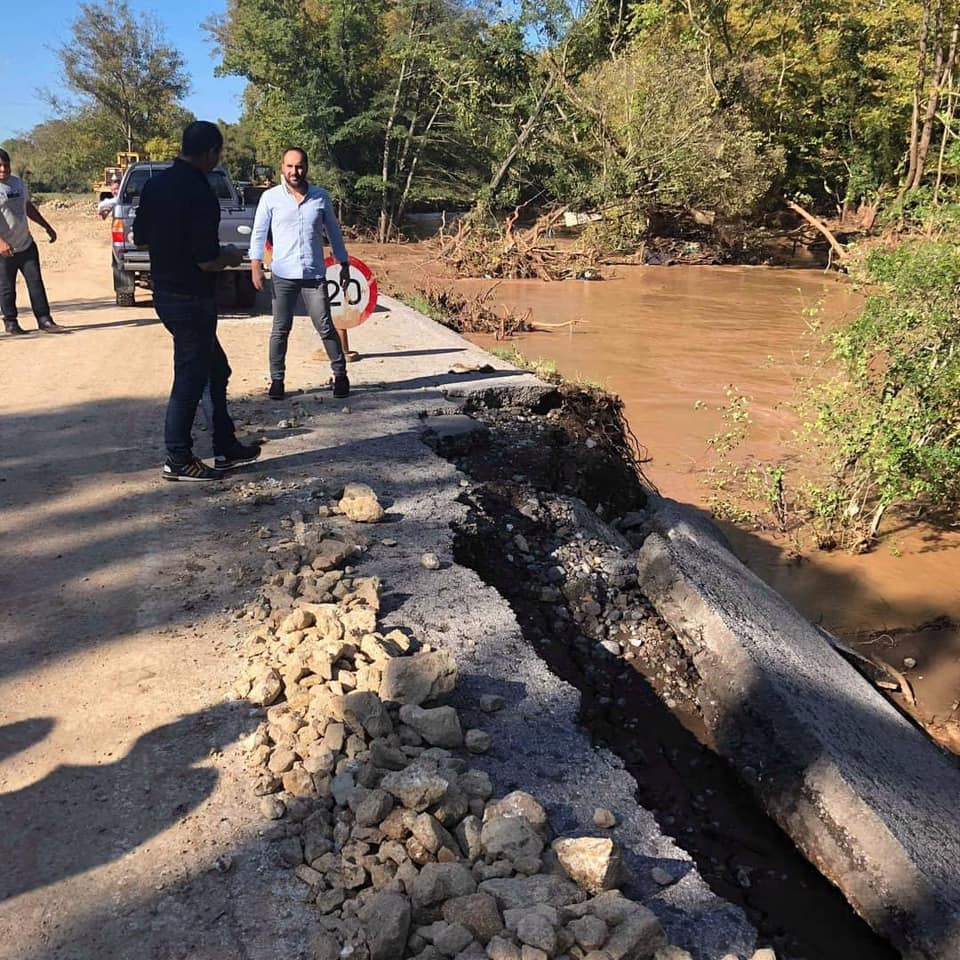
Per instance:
x=571, y=574
x=364, y=773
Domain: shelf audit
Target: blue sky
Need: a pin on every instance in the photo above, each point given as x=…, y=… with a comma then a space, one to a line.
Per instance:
x=37, y=27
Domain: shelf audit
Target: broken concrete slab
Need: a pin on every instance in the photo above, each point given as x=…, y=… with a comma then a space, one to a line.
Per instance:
x=453, y=426
x=867, y=797
x=451, y=434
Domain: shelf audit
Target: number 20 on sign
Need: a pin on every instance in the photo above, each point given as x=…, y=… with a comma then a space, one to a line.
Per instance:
x=352, y=304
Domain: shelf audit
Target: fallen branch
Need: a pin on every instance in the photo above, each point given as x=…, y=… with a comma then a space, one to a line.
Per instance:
x=835, y=245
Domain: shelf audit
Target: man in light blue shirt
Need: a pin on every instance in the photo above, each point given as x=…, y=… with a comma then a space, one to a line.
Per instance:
x=297, y=214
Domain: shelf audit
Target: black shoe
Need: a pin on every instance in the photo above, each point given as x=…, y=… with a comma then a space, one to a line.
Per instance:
x=48, y=326
x=12, y=327
x=236, y=456
x=276, y=390
x=196, y=470
x=341, y=386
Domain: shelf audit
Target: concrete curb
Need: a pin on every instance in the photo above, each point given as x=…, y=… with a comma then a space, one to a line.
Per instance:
x=865, y=795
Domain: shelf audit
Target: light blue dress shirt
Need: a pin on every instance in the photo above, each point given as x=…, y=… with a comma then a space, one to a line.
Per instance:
x=297, y=229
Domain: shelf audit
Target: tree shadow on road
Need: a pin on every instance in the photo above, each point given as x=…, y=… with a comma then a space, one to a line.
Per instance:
x=80, y=817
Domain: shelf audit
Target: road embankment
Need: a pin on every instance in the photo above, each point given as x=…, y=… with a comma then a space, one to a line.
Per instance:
x=864, y=793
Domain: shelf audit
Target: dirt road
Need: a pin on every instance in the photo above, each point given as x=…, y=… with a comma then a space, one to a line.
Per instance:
x=126, y=823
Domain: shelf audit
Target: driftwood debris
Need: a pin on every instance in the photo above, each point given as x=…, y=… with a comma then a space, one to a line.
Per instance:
x=509, y=252
x=474, y=314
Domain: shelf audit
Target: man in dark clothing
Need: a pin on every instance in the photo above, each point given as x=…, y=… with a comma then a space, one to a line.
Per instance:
x=179, y=219
x=19, y=254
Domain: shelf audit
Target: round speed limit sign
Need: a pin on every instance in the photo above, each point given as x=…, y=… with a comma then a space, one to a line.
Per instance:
x=350, y=305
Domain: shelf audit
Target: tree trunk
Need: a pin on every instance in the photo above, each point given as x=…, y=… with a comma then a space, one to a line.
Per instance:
x=918, y=86
x=414, y=160
x=947, y=133
x=946, y=80
x=522, y=137
x=937, y=81
x=383, y=225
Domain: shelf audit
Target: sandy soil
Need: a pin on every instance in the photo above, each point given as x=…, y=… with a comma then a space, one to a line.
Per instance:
x=128, y=827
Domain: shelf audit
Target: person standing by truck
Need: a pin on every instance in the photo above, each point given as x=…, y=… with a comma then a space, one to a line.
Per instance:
x=106, y=205
x=19, y=253
x=298, y=213
x=178, y=219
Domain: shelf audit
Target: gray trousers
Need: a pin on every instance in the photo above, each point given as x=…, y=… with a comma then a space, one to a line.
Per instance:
x=285, y=293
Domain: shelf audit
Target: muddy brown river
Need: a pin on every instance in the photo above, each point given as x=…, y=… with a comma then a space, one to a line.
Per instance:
x=670, y=341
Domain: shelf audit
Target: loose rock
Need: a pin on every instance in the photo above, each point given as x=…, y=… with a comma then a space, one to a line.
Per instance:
x=360, y=504
x=439, y=726
x=477, y=741
x=604, y=818
x=418, y=679
x=478, y=912
x=594, y=863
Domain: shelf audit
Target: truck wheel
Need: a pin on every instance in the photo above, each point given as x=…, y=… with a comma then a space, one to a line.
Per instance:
x=123, y=286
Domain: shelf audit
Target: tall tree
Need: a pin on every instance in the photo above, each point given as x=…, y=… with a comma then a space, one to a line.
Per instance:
x=369, y=91
x=122, y=63
x=936, y=63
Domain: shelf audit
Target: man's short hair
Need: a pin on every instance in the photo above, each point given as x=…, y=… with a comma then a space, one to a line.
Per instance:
x=300, y=150
x=4, y=156
x=199, y=138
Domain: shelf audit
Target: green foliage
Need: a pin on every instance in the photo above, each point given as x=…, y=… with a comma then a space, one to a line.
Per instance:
x=892, y=417
x=541, y=367
x=120, y=64
x=122, y=82
x=378, y=94
x=65, y=154
x=652, y=131
x=162, y=147
x=240, y=149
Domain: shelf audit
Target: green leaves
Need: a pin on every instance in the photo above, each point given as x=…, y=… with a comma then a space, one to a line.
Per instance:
x=892, y=417
x=120, y=63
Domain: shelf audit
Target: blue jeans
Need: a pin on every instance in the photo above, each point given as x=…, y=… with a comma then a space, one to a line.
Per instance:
x=199, y=363
x=318, y=306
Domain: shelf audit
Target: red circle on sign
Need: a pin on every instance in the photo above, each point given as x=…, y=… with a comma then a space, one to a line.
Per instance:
x=371, y=283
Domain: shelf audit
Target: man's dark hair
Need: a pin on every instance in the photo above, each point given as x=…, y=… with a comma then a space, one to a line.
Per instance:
x=300, y=150
x=4, y=156
x=199, y=138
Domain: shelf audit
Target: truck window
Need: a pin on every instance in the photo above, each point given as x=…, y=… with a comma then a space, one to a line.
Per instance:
x=134, y=185
x=133, y=188
x=221, y=187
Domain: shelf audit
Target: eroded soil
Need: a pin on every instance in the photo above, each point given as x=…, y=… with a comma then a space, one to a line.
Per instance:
x=533, y=532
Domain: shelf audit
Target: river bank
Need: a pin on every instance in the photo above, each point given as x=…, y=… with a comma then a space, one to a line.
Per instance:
x=672, y=342
x=134, y=826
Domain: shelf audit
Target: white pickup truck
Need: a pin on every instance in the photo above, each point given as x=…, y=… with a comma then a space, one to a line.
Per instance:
x=131, y=264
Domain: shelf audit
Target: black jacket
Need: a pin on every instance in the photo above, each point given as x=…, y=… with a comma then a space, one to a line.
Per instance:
x=179, y=220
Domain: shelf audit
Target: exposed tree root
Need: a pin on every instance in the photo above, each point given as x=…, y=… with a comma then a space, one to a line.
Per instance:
x=474, y=314
x=506, y=252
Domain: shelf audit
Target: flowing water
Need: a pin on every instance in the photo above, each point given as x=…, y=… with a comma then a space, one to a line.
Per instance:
x=671, y=341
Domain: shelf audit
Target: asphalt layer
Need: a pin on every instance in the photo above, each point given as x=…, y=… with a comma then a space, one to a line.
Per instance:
x=130, y=828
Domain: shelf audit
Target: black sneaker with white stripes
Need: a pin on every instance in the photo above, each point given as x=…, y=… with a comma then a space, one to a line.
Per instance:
x=196, y=470
x=236, y=456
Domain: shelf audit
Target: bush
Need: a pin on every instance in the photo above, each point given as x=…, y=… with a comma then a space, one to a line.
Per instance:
x=892, y=416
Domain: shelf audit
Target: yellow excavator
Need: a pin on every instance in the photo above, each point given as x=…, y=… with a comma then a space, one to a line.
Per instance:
x=124, y=160
x=261, y=179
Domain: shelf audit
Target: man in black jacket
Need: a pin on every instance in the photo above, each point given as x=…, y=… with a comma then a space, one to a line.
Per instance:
x=179, y=219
